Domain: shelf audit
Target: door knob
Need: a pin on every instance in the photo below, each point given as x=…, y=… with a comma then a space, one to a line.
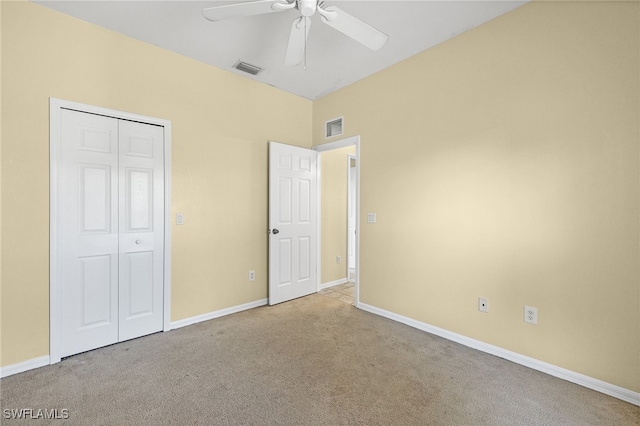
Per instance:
x=275, y=231
x=138, y=241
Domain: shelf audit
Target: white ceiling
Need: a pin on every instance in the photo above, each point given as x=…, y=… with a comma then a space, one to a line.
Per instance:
x=333, y=59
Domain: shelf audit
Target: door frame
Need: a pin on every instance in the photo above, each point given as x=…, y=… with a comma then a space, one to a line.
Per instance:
x=341, y=143
x=351, y=192
x=55, y=108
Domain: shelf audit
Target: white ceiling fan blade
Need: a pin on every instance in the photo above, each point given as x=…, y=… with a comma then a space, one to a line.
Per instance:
x=354, y=28
x=297, y=41
x=238, y=10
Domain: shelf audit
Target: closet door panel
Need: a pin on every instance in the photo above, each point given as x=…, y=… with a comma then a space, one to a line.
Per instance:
x=87, y=215
x=141, y=215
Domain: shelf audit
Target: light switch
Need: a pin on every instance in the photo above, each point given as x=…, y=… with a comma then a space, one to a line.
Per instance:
x=371, y=218
x=180, y=219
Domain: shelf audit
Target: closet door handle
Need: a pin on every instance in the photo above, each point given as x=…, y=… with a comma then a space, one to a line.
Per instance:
x=275, y=231
x=138, y=241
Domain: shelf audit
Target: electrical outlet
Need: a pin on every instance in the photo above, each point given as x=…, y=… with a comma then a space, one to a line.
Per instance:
x=252, y=275
x=338, y=259
x=531, y=314
x=483, y=304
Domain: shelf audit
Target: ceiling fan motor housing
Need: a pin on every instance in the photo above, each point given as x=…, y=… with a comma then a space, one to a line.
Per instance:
x=307, y=7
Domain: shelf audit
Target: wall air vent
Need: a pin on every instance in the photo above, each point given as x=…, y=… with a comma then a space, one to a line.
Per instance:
x=333, y=128
x=248, y=68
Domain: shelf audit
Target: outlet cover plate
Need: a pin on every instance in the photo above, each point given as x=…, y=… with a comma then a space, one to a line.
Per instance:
x=530, y=314
x=483, y=304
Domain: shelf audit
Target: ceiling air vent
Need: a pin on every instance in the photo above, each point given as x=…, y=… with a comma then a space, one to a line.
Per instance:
x=333, y=128
x=248, y=68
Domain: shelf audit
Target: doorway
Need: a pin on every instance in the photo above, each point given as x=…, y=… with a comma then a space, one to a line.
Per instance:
x=109, y=227
x=338, y=275
x=290, y=205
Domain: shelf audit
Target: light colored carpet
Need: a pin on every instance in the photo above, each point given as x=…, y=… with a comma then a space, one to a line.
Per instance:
x=344, y=292
x=311, y=361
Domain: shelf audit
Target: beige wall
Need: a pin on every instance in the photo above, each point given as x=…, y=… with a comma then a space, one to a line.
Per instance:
x=0, y=186
x=221, y=124
x=504, y=163
x=334, y=177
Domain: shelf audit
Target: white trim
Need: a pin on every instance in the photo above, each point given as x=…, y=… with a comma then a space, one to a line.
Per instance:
x=343, y=143
x=166, y=326
x=54, y=302
x=553, y=370
x=349, y=198
x=333, y=283
x=217, y=314
x=319, y=221
x=20, y=367
x=55, y=106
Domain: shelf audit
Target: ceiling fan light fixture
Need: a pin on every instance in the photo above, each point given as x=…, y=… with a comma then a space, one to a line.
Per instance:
x=248, y=68
x=307, y=7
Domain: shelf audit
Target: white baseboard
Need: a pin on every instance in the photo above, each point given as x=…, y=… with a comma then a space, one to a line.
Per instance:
x=217, y=314
x=24, y=366
x=332, y=283
x=562, y=373
x=44, y=360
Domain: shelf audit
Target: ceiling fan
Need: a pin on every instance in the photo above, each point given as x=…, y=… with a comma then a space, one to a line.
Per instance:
x=296, y=49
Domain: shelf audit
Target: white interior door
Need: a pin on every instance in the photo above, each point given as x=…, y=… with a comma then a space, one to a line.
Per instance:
x=293, y=228
x=110, y=220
